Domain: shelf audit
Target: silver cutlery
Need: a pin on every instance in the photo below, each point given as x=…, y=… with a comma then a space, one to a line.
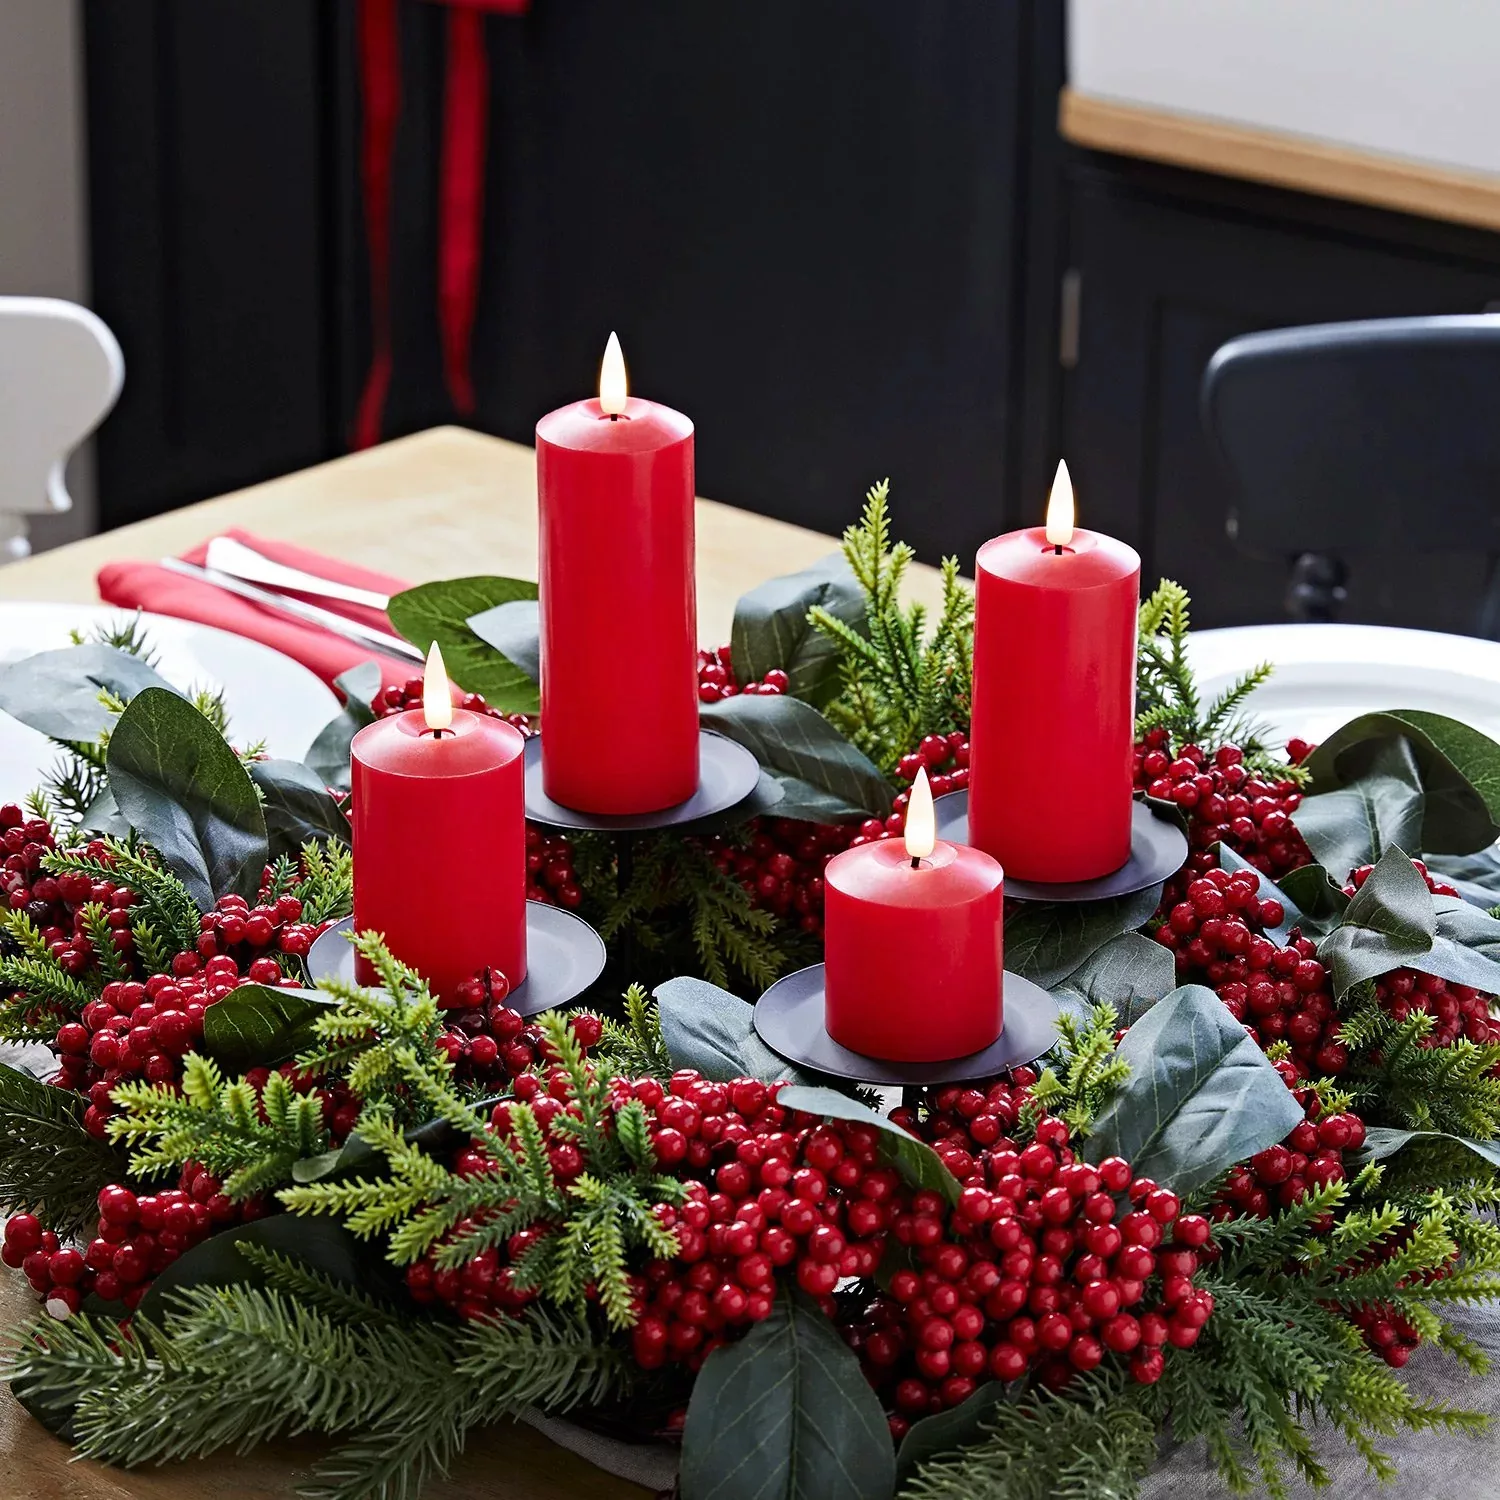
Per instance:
x=298, y=609
x=226, y=555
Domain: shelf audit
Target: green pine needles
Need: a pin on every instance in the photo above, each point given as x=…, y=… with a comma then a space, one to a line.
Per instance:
x=1085, y=1075
x=898, y=683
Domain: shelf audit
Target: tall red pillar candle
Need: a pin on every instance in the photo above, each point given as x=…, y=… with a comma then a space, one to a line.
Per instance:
x=439, y=826
x=913, y=946
x=618, y=611
x=1050, y=756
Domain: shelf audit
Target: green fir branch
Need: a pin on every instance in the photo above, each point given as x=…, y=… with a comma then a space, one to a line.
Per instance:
x=635, y=1047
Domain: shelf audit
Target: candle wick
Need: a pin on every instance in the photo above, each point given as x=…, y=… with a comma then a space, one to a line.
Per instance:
x=614, y=416
x=1058, y=549
x=916, y=861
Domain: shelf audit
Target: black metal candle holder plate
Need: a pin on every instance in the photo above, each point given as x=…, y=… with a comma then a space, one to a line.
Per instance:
x=1158, y=850
x=789, y=1020
x=727, y=774
x=564, y=956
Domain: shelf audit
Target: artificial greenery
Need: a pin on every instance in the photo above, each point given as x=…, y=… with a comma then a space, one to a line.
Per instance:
x=1085, y=1075
x=898, y=683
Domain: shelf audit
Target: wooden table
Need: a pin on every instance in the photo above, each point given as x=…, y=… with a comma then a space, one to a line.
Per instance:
x=437, y=505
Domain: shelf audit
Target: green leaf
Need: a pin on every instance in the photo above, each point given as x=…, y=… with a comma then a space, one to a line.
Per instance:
x=1379, y=807
x=771, y=628
x=1465, y=947
x=297, y=807
x=917, y=1162
x=1201, y=1095
x=795, y=742
x=514, y=629
x=1047, y=941
x=944, y=1431
x=329, y=756
x=57, y=692
x=1131, y=973
x=441, y=612
x=1382, y=1141
x=785, y=1414
x=713, y=1031
x=323, y=1245
x=185, y=792
x=256, y=1025
x=1317, y=898
x=1476, y=875
x=1459, y=767
x=1390, y=922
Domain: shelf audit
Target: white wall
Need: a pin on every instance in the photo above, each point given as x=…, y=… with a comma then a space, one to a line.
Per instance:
x=1407, y=78
x=43, y=214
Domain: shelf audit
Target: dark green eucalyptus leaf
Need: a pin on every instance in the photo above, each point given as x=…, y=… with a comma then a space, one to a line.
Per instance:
x=1477, y=875
x=793, y=740
x=1390, y=922
x=1319, y=899
x=771, y=628
x=939, y=1434
x=1201, y=1095
x=805, y=803
x=514, y=629
x=713, y=1031
x=786, y=1414
x=329, y=756
x=1459, y=771
x=298, y=809
x=256, y=1025
x=1381, y=806
x=441, y=612
x=1382, y=1141
x=322, y=1245
x=1131, y=973
x=1047, y=941
x=57, y=692
x=917, y=1162
x=103, y=817
x=1465, y=947
x=185, y=792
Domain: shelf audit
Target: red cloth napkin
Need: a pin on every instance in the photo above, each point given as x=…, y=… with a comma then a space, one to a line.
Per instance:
x=143, y=585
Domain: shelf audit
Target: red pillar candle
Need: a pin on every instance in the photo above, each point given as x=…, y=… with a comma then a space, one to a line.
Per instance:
x=1050, y=757
x=439, y=825
x=913, y=945
x=618, y=613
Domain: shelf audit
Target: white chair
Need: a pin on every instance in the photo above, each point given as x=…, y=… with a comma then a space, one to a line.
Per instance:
x=60, y=373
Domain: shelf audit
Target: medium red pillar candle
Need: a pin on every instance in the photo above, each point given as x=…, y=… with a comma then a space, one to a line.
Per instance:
x=439, y=826
x=913, y=945
x=618, y=613
x=1050, y=753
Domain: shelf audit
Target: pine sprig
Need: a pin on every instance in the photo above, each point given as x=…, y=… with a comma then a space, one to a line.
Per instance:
x=326, y=890
x=251, y=1143
x=162, y=900
x=1167, y=694
x=1084, y=1077
x=898, y=683
x=635, y=1047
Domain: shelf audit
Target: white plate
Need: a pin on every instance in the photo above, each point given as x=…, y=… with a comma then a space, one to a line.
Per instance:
x=1328, y=674
x=270, y=697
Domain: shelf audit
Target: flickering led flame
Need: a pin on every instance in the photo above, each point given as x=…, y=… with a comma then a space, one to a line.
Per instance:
x=612, y=378
x=437, y=700
x=1060, y=511
x=921, y=821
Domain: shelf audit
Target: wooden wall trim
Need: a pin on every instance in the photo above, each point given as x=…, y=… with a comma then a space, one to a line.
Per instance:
x=1285, y=161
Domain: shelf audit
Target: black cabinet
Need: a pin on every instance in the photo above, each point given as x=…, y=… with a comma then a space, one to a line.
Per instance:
x=1167, y=267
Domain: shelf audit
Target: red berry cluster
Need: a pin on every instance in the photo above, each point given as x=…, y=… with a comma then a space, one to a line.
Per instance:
x=1311, y=1157
x=782, y=866
x=491, y=1044
x=1281, y=992
x=251, y=936
x=1224, y=802
x=396, y=700
x=550, y=876
x=138, y=1238
x=716, y=679
x=946, y=757
x=961, y=1121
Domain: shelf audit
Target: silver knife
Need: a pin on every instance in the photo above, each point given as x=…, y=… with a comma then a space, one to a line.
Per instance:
x=226, y=555
x=299, y=609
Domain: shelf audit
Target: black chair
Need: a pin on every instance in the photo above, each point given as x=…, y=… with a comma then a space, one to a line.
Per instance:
x=1349, y=438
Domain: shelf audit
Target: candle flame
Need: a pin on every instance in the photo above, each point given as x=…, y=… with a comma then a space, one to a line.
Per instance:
x=612, y=378
x=437, y=700
x=1060, y=508
x=921, y=821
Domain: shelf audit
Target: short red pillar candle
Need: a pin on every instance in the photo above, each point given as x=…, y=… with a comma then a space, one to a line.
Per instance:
x=439, y=826
x=913, y=947
x=1051, y=742
x=619, y=635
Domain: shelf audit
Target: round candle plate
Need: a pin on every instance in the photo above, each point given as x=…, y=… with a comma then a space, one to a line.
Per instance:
x=564, y=956
x=789, y=1020
x=1158, y=850
x=727, y=774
